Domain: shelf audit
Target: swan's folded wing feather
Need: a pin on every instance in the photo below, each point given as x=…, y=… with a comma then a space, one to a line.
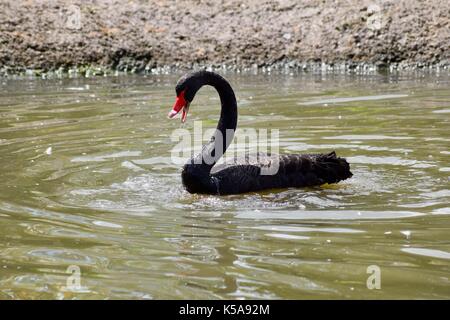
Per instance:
x=259, y=160
x=318, y=167
x=281, y=164
x=294, y=170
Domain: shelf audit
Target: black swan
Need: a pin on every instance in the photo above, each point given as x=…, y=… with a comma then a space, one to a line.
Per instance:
x=245, y=175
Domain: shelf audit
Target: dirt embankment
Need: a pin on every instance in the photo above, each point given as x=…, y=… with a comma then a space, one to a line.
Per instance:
x=139, y=35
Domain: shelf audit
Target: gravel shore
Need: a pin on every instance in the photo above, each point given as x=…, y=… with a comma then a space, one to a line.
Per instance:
x=143, y=35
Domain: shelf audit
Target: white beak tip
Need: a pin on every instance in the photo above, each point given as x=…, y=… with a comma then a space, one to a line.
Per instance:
x=172, y=114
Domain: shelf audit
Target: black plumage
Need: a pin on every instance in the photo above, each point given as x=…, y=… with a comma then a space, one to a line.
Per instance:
x=247, y=174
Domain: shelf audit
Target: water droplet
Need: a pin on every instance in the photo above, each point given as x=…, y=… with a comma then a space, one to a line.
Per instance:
x=407, y=234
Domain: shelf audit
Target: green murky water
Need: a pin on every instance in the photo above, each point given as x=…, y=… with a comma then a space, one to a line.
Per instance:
x=86, y=180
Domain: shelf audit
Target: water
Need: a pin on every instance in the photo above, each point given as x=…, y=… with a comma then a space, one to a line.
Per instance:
x=87, y=181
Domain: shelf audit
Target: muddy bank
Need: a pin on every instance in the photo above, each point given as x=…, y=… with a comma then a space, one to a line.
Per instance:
x=143, y=35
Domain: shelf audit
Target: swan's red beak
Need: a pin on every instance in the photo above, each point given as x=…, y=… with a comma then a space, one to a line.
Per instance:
x=180, y=104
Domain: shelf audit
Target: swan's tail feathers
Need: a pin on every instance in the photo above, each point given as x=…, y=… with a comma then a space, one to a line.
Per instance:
x=332, y=169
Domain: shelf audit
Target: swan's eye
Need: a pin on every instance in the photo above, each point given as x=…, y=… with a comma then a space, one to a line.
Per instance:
x=180, y=104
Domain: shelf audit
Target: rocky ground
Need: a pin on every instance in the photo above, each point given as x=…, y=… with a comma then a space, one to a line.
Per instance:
x=142, y=35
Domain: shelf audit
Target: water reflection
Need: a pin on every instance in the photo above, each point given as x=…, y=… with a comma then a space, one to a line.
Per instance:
x=87, y=180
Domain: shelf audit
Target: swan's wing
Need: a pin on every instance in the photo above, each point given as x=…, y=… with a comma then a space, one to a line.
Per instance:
x=259, y=160
x=259, y=172
x=310, y=168
x=285, y=164
x=315, y=168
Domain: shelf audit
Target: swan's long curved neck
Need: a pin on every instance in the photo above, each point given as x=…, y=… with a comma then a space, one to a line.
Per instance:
x=199, y=167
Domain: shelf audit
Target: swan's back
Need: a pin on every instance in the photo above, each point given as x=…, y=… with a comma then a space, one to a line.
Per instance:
x=246, y=174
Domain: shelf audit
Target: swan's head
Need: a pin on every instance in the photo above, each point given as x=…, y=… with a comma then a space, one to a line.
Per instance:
x=186, y=89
